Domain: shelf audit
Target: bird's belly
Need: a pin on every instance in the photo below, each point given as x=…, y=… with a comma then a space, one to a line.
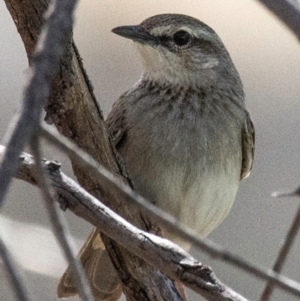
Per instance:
x=196, y=188
x=205, y=204
x=202, y=204
x=187, y=165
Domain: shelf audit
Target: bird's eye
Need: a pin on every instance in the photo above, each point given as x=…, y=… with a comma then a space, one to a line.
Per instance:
x=181, y=38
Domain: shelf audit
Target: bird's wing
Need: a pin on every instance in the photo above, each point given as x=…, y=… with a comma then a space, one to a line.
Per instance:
x=248, y=140
x=116, y=121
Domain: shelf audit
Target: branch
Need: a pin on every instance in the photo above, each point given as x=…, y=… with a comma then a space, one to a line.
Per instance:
x=288, y=11
x=165, y=255
x=70, y=107
x=167, y=220
x=76, y=114
x=59, y=227
x=286, y=246
x=44, y=66
x=26, y=172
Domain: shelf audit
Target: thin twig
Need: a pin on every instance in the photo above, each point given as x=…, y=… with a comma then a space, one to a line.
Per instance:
x=283, y=194
x=59, y=226
x=283, y=252
x=14, y=278
x=287, y=11
x=167, y=220
x=45, y=62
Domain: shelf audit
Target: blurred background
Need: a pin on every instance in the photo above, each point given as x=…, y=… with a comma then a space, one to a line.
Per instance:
x=267, y=57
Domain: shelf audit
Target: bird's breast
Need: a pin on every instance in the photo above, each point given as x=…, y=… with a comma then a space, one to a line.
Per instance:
x=184, y=154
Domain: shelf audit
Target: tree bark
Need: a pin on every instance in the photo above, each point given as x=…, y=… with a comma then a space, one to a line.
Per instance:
x=73, y=109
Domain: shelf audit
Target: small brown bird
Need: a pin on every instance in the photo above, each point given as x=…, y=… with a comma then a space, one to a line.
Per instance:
x=183, y=132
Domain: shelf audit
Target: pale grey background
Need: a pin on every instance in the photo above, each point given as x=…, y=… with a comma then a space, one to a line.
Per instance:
x=267, y=57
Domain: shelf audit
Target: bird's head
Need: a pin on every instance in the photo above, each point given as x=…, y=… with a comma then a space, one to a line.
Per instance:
x=180, y=49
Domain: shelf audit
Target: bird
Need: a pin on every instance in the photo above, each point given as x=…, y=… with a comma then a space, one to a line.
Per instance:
x=183, y=132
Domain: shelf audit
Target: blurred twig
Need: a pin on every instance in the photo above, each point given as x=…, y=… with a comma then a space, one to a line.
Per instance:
x=44, y=66
x=287, y=11
x=60, y=229
x=13, y=275
x=286, y=246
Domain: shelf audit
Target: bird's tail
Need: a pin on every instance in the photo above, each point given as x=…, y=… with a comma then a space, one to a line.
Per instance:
x=103, y=279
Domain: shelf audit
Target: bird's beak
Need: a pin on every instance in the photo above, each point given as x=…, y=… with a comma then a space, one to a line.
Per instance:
x=136, y=33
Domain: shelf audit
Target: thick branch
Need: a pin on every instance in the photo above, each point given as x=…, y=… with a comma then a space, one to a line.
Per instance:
x=76, y=114
x=165, y=219
x=58, y=225
x=27, y=172
x=165, y=255
x=45, y=64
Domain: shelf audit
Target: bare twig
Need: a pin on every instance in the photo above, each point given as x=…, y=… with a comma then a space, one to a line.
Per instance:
x=287, y=11
x=59, y=227
x=44, y=66
x=282, y=194
x=168, y=257
x=166, y=220
x=13, y=275
x=285, y=248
